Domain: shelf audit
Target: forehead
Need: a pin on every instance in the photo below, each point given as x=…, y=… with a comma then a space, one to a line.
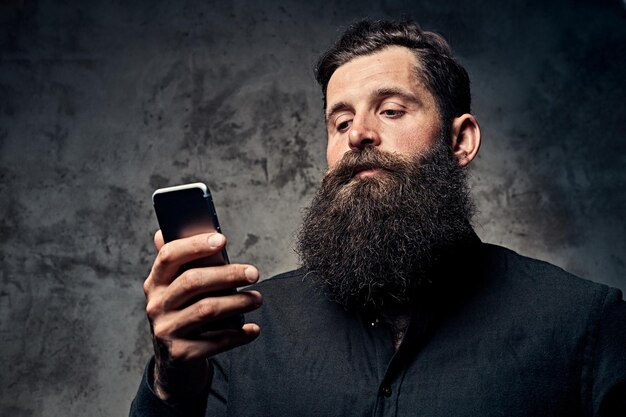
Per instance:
x=394, y=66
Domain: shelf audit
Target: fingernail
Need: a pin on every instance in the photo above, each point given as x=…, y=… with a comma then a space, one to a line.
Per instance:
x=251, y=273
x=216, y=240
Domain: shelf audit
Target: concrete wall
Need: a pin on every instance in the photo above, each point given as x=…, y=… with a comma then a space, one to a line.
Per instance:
x=102, y=101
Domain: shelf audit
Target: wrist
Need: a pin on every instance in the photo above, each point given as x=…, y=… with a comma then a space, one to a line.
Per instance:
x=183, y=382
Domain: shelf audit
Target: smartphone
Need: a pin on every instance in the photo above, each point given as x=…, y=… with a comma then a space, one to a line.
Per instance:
x=187, y=210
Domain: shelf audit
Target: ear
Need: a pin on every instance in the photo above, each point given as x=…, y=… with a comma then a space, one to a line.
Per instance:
x=465, y=138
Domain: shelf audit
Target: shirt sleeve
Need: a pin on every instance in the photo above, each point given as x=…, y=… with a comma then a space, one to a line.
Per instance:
x=218, y=394
x=609, y=364
x=148, y=404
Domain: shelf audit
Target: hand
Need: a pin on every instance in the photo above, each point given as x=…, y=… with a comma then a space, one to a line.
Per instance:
x=177, y=316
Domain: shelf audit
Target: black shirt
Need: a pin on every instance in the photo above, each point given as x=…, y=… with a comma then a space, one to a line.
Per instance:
x=497, y=335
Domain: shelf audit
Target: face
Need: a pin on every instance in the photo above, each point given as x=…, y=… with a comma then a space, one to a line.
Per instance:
x=377, y=100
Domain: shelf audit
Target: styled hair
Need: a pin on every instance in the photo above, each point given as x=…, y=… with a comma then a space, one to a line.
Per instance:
x=441, y=74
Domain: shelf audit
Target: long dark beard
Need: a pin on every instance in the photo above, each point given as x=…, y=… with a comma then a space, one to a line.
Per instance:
x=374, y=242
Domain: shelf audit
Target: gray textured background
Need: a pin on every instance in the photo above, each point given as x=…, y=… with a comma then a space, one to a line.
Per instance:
x=103, y=101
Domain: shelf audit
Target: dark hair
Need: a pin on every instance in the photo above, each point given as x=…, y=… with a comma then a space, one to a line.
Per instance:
x=445, y=78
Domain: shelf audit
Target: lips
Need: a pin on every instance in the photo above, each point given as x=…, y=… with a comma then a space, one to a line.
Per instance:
x=364, y=170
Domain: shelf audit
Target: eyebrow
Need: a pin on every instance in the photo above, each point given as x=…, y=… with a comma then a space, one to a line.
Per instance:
x=376, y=94
x=341, y=105
x=394, y=91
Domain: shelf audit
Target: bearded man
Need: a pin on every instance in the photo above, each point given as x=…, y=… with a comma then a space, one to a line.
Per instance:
x=398, y=308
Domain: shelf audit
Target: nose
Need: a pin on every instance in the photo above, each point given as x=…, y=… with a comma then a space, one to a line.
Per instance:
x=363, y=132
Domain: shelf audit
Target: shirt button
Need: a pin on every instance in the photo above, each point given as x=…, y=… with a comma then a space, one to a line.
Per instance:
x=386, y=391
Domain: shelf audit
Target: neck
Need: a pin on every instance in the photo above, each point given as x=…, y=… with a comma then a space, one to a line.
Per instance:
x=398, y=322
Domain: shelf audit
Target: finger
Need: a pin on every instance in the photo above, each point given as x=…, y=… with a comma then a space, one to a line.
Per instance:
x=158, y=240
x=183, y=323
x=207, y=345
x=176, y=253
x=197, y=281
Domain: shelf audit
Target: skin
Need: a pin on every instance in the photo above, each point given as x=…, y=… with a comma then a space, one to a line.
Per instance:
x=378, y=100
x=374, y=100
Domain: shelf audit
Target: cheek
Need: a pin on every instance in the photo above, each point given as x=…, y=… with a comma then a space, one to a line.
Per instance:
x=412, y=141
x=334, y=154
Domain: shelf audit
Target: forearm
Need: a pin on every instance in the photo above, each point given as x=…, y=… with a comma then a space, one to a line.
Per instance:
x=148, y=404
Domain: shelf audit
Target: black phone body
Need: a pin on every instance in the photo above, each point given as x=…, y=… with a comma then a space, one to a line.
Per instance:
x=187, y=210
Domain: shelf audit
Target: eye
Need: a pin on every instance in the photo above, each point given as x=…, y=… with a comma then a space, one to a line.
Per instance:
x=392, y=113
x=343, y=125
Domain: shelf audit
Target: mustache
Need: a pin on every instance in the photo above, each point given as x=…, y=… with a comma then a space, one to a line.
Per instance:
x=355, y=161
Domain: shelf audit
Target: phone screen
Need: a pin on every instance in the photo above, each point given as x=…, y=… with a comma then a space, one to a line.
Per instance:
x=187, y=210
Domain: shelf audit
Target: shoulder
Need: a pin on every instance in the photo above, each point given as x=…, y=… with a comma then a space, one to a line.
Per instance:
x=294, y=281
x=292, y=294
x=542, y=284
x=296, y=285
x=540, y=274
